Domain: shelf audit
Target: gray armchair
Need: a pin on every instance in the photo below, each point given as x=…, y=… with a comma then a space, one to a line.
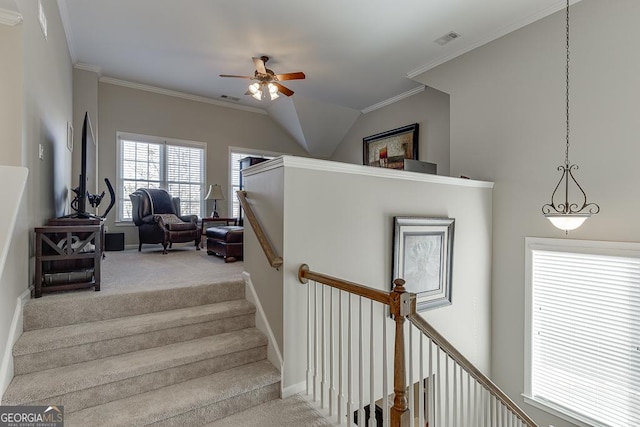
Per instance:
x=157, y=216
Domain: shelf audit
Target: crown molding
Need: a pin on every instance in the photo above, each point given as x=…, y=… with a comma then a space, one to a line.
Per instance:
x=183, y=95
x=9, y=17
x=491, y=37
x=393, y=99
x=88, y=67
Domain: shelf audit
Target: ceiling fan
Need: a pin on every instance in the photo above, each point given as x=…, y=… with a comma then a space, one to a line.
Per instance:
x=267, y=81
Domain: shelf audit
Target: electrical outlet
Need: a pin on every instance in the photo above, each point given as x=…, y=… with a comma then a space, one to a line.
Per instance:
x=106, y=229
x=40, y=152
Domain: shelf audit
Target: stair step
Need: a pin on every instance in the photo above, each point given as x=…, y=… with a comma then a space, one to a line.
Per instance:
x=42, y=349
x=191, y=403
x=84, y=307
x=95, y=382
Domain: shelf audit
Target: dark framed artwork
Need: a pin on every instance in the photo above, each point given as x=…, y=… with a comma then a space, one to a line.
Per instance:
x=423, y=257
x=389, y=149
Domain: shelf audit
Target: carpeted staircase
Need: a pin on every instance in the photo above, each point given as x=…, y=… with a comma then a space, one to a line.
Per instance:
x=172, y=357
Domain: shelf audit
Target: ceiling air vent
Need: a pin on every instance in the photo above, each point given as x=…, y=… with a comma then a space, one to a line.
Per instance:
x=230, y=98
x=447, y=38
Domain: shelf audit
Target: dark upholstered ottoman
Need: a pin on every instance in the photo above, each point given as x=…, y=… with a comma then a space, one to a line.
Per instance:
x=225, y=241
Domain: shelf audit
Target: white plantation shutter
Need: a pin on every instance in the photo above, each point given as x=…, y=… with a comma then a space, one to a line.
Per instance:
x=149, y=162
x=585, y=334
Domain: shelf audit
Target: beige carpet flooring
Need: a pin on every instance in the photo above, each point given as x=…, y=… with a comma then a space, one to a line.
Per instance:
x=293, y=411
x=133, y=271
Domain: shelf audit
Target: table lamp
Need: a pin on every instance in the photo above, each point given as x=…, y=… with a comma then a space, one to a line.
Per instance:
x=215, y=194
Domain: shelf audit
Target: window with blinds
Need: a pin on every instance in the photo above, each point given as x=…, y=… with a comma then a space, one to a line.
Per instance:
x=583, y=309
x=149, y=162
x=234, y=174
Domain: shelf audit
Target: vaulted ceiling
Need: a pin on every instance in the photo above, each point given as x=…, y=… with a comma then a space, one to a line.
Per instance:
x=357, y=55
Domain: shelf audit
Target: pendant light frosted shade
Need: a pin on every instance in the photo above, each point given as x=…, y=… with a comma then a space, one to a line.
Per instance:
x=567, y=222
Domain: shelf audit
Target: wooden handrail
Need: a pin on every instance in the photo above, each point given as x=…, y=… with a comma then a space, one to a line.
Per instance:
x=399, y=302
x=402, y=305
x=304, y=275
x=448, y=348
x=274, y=260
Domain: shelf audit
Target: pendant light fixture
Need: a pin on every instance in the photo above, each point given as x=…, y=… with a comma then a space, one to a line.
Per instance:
x=567, y=215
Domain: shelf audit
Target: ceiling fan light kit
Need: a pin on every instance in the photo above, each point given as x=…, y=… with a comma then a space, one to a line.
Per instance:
x=567, y=215
x=267, y=81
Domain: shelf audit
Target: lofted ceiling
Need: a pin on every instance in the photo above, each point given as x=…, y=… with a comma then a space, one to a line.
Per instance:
x=357, y=55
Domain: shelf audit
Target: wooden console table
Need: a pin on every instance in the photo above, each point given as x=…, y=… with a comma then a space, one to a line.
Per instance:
x=68, y=254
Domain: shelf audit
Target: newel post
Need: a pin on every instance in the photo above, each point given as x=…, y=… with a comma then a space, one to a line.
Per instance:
x=400, y=307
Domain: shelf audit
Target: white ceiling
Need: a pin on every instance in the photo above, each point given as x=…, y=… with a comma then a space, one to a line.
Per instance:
x=355, y=53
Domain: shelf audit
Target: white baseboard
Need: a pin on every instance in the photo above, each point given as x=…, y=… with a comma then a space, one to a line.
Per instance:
x=294, y=389
x=273, y=351
x=6, y=366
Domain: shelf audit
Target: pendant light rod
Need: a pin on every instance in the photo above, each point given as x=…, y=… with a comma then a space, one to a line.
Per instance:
x=568, y=215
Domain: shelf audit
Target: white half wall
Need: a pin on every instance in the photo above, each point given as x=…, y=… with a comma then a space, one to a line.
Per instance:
x=338, y=218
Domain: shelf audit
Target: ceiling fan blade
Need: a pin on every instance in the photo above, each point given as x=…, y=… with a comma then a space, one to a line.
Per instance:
x=291, y=76
x=239, y=77
x=259, y=63
x=283, y=90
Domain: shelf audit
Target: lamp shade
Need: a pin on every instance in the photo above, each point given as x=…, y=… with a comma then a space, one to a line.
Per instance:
x=567, y=222
x=214, y=193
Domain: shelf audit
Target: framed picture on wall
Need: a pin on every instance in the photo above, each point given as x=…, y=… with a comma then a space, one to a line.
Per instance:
x=423, y=257
x=389, y=149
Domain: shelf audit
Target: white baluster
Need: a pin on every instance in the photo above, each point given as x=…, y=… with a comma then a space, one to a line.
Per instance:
x=461, y=404
x=421, y=405
x=447, y=397
x=431, y=406
x=495, y=412
x=315, y=342
x=469, y=399
x=410, y=376
x=323, y=376
x=481, y=406
x=385, y=371
x=340, y=357
x=308, y=378
x=349, y=367
x=332, y=387
x=361, y=421
x=454, y=397
x=372, y=372
x=438, y=410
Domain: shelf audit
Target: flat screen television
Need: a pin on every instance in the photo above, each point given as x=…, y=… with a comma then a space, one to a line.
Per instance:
x=88, y=180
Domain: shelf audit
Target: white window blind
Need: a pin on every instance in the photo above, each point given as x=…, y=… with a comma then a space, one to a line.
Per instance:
x=147, y=163
x=585, y=335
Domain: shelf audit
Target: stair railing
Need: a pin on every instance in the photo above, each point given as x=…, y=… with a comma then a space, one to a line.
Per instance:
x=348, y=366
x=267, y=247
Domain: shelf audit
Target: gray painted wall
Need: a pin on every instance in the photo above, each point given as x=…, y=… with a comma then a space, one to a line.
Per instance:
x=141, y=112
x=11, y=95
x=42, y=111
x=430, y=109
x=508, y=126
